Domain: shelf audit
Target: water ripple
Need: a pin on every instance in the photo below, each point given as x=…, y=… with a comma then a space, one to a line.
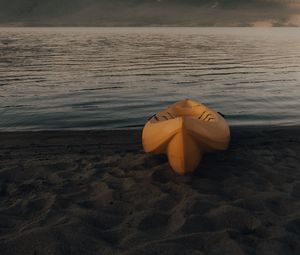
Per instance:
x=53, y=78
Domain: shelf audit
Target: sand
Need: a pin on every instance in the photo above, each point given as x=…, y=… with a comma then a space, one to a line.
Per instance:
x=96, y=192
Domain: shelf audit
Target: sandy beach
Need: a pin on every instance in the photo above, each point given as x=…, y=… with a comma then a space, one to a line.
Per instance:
x=97, y=192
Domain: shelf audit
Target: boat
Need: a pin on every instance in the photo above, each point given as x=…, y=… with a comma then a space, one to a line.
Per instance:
x=185, y=131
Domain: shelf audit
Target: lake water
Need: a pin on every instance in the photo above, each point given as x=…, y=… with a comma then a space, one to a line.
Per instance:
x=86, y=78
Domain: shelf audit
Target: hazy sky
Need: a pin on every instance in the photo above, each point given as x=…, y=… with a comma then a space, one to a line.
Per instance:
x=151, y=12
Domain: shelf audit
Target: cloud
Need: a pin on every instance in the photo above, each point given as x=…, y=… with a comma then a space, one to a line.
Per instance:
x=294, y=20
x=150, y=12
x=263, y=23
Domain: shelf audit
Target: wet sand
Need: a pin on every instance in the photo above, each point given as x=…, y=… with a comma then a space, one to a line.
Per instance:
x=96, y=192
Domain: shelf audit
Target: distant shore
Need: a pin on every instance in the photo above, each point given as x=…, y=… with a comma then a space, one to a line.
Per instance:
x=97, y=192
x=110, y=25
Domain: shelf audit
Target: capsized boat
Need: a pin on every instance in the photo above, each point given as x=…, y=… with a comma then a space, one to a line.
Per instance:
x=184, y=131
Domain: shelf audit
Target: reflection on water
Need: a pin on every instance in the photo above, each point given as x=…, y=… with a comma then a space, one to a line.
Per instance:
x=116, y=77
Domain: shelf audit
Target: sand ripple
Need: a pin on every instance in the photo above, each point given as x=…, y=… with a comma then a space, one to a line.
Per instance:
x=98, y=193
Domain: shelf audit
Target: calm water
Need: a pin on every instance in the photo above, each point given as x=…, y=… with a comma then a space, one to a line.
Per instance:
x=53, y=78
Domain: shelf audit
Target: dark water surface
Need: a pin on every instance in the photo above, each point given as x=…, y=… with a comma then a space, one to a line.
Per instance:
x=58, y=78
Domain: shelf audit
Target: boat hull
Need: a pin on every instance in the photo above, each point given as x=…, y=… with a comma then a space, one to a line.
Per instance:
x=185, y=131
x=184, y=153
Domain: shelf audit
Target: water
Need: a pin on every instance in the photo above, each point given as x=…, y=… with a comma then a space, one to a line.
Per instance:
x=86, y=78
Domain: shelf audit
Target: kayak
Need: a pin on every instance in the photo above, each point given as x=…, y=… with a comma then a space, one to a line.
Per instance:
x=185, y=131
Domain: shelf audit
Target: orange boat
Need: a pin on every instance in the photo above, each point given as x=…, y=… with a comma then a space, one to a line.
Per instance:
x=184, y=131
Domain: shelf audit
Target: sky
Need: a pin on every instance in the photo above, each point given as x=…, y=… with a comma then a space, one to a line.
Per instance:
x=150, y=12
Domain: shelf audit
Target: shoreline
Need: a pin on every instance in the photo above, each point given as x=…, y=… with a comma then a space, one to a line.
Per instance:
x=97, y=192
x=133, y=136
